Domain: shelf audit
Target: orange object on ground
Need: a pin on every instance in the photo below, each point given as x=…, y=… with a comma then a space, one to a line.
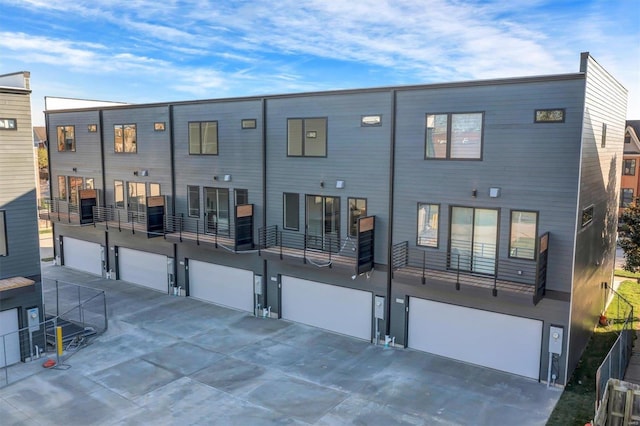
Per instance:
x=48, y=363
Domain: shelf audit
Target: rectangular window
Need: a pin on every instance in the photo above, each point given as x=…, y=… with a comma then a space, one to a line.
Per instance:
x=357, y=209
x=242, y=197
x=587, y=216
x=62, y=188
x=4, y=247
x=371, y=120
x=428, y=215
x=454, y=136
x=291, y=211
x=549, y=115
x=8, y=124
x=125, y=139
x=193, y=199
x=629, y=168
x=626, y=197
x=203, y=137
x=154, y=189
x=307, y=137
x=89, y=183
x=92, y=128
x=603, y=142
x=159, y=126
x=248, y=123
x=66, y=138
x=524, y=229
x=118, y=193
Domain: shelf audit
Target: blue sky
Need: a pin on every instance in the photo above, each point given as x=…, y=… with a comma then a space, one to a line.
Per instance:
x=142, y=51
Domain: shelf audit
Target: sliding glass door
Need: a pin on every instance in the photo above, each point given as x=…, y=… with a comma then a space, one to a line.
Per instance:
x=474, y=239
x=323, y=222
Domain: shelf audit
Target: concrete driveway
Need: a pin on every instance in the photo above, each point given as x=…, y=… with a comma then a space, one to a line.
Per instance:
x=167, y=360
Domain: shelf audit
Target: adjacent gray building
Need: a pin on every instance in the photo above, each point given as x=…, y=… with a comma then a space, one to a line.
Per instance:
x=473, y=220
x=20, y=287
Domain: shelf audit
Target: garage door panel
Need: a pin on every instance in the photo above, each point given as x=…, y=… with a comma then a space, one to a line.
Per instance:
x=143, y=268
x=10, y=349
x=339, y=309
x=503, y=342
x=222, y=285
x=82, y=255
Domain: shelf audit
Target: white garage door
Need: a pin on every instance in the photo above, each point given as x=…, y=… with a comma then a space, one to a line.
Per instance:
x=343, y=310
x=9, y=338
x=221, y=285
x=503, y=342
x=82, y=255
x=143, y=268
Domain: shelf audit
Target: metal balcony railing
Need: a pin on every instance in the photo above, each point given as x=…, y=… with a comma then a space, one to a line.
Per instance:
x=55, y=210
x=318, y=250
x=469, y=265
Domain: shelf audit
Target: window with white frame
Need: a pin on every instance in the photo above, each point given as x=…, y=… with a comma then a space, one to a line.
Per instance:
x=629, y=167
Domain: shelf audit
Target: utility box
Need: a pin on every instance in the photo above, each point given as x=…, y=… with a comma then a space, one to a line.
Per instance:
x=555, y=339
x=378, y=309
x=33, y=319
x=257, y=284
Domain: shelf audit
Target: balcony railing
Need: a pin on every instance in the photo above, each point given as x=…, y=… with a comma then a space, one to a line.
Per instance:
x=62, y=211
x=477, y=267
x=321, y=251
x=200, y=232
x=236, y=236
x=121, y=220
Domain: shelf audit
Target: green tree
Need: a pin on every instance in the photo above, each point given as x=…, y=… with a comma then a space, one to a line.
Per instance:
x=43, y=158
x=629, y=237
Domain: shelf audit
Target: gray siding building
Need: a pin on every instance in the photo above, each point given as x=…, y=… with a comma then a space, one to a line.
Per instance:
x=20, y=286
x=473, y=220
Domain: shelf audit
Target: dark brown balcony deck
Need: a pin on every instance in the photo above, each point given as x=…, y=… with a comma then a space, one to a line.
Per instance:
x=112, y=219
x=344, y=254
x=213, y=233
x=500, y=277
x=59, y=211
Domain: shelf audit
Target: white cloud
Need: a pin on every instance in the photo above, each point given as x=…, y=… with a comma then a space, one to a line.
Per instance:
x=241, y=47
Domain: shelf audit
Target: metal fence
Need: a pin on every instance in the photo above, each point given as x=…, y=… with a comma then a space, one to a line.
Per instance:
x=80, y=312
x=615, y=363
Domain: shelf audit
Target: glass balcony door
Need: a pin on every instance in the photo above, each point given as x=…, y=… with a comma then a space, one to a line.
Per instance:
x=474, y=236
x=323, y=222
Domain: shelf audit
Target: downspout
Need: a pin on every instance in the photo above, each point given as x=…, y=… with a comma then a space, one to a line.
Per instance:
x=172, y=159
x=103, y=197
x=265, y=300
x=53, y=224
x=392, y=154
x=173, y=195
